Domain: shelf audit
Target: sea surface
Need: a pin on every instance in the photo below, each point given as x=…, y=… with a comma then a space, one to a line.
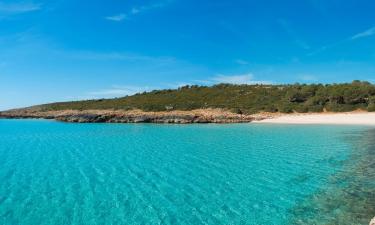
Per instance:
x=60, y=173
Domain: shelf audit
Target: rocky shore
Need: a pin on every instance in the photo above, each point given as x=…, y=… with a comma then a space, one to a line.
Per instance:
x=135, y=116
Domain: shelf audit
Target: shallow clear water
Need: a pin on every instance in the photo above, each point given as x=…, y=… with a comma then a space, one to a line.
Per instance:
x=59, y=173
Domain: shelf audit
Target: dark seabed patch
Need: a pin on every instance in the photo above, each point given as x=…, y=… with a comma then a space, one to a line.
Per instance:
x=349, y=197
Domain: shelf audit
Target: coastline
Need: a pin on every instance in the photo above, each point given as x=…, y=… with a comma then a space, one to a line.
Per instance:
x=347, y=118
x=193, y=116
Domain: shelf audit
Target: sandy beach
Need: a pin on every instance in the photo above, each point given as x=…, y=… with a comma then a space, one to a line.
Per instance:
x=352, y=118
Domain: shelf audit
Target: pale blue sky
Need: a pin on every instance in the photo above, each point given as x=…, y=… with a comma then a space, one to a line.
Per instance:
x=68, y=50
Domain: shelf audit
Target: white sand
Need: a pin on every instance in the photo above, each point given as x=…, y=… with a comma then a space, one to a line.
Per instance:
x=353, y=118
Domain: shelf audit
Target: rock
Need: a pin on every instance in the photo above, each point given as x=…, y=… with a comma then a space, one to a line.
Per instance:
x=133, y=116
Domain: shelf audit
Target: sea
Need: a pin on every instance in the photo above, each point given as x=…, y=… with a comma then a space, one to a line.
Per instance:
x=258, y=174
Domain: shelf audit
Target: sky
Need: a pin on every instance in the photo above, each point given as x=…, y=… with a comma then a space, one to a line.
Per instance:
x=64, y=50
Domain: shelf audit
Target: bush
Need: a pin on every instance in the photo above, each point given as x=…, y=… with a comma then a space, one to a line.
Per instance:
x=371, y=105
x=285, y=108
x=315, y=108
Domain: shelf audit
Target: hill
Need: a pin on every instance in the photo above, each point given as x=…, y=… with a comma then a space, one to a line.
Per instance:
x=240, y=99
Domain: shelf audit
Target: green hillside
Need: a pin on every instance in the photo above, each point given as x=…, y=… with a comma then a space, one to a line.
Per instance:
x=242, y=98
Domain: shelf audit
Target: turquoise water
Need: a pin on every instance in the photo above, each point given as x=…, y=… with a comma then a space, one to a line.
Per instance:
x=60, y=173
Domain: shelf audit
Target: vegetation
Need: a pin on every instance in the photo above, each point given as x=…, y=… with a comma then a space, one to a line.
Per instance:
x=245, y=99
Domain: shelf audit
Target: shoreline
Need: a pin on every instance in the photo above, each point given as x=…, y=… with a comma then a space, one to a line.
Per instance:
x=193, y=116
x=347, y=118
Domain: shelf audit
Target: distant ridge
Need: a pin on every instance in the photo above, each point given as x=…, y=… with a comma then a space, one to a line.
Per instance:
x=242, y=99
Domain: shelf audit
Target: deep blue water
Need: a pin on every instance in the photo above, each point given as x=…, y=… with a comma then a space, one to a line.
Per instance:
x=60, y=173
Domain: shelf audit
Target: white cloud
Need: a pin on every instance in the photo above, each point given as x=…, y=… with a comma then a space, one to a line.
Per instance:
x=117, y=18
x=367, y=33
x=238, y=79
x=241, y=62
x=118, y=56
x=118, y=91
x=17, y=8
x=135, y=11
x=138, y=10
